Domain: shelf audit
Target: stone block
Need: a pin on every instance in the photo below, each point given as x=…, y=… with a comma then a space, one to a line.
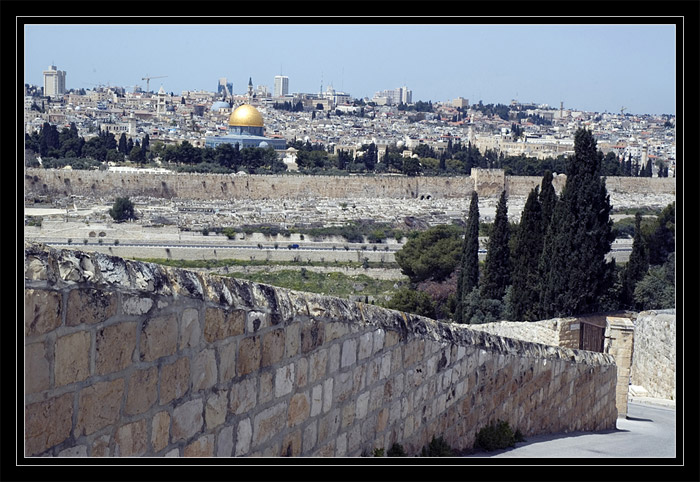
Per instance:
x=244, y=436
x=220, y=324
x=98, y=406
x=249, y=355
x=284, y=380
x=291, y=445
x=36, y=368
x=267, y=387
x=42, y=311
x=327, y=394
x=158, y=337
x=227, y=361
x=243, y=396
x=273, y=347
x=316, y=400
x=299, y=409
x=47, y=423
x=202, y=447
x=187, y=420
x=349, y=353
x=90, y=306
x=377, y=341
x=302, y=372
x=347, y=415
x=365, y=348
x=334, y=358
x=143, y=391
x=215, y=409
x=131, y=440
x=224, y=442
x=100, y=447
x=160, y=431
x=312, y=336
x=204, y=370
x=135, y=305
x=190, y=330
x=269, y=422
x=309, y=437
x=317, y=366
x=362, y=404
x=257, y=321
x=114, y=347
x=336, y=330
x=342, y=386
x=328, y=425
x=174, y=380
x=292, y=339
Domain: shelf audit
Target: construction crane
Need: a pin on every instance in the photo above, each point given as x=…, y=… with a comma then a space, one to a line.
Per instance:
x=148, y=81
x=622, y=110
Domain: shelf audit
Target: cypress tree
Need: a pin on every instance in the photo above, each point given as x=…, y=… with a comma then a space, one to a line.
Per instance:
x=468, y=278
x=497, y=265
x=580, y=234
x=637, y=265
x=526, y=253
x=548, y=198
x=122, y=144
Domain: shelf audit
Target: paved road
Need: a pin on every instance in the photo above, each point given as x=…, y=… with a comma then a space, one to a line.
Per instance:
x=648, y=432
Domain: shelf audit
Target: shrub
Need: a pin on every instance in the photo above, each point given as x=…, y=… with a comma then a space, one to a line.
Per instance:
x=497, y=435
x=122, y=209
x=396, y=450
x=437, y=447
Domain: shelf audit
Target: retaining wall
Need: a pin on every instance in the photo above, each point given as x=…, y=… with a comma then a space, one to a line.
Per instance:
x=126, y=358
x=487, y=182
x=654, y=356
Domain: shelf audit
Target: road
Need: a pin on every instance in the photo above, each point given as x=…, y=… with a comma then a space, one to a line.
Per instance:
x=649, y=431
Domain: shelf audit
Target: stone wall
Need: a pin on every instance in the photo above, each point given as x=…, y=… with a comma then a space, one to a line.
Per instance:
x=133, y=359
x=488, y=183
x=654, y=356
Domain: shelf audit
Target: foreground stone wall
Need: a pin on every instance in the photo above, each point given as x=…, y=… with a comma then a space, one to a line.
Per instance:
x=487, y=182
x=130, y=359
x=654, y=356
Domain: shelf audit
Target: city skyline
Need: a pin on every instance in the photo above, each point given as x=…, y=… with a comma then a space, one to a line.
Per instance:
x=594, y=68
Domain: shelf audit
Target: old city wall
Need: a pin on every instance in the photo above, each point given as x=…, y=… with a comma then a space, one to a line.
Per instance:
x=487, y=182
x=127, y=358
x=654, y=356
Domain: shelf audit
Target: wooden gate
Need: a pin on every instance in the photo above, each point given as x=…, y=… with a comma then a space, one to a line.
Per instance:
x=592, y=337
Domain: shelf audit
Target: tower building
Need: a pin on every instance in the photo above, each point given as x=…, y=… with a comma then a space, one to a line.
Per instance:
x=281, y=86
x=54, y=82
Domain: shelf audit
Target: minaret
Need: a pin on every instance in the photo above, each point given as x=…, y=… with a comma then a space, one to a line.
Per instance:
x=250, y=89
x=160, y=106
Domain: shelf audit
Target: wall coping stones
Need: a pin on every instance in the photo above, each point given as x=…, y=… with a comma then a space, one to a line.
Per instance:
x=68, y=267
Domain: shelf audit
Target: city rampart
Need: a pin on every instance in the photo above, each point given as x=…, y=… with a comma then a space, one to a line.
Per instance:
x=487, y=182
x=125, y=358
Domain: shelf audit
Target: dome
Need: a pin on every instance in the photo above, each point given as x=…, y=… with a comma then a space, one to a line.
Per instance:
x=220, y=105
x=246, y=115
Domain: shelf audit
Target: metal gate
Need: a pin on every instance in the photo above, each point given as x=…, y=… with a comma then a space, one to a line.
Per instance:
x=591, y=337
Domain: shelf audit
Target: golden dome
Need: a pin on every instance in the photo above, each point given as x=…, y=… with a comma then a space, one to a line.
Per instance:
x=246, y=115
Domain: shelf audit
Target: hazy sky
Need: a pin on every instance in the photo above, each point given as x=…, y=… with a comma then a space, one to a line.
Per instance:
x=588, y=67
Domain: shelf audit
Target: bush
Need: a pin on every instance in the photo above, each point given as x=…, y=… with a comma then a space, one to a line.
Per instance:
x=437, y=447
x=122, y=209
x=497, y=435
x=396, y=450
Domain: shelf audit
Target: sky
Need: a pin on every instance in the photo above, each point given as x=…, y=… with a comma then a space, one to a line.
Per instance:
x=597, y=68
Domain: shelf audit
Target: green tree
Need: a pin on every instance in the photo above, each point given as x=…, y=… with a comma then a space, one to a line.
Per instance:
x=657, y=289
x=526, y=254
x=468, y=278
x=576, y=274
x=411, y=166
x=122, y=144
x=497, y=266
x=637, y=265
x=412, y=301
x=662, y=240
x=122, y=209
x=430, y=255
x=548, y=198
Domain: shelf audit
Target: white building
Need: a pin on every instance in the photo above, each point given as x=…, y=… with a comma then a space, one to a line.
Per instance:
x=281, y=86
x=54, y=82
